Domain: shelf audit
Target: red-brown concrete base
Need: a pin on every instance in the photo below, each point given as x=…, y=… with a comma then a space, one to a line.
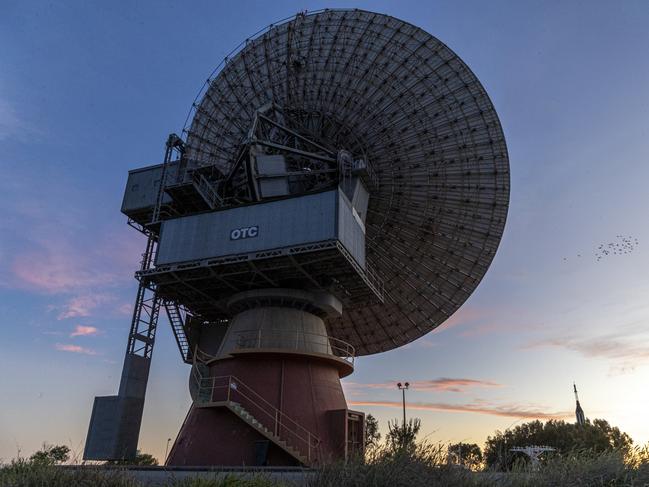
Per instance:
x=306, y=390
x=215, y=436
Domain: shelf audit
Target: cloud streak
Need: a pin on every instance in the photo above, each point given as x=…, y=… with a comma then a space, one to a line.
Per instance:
x=13, y=126
x=627, y=348
x=54, y=271
x=507, y=411
x=473, y=322
x=63, y=347
x=443, y=384
x=81, y=330
x=82, y=306
x=84, y=277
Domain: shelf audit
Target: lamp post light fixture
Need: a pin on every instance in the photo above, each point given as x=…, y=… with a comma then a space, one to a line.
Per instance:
x=403, y=388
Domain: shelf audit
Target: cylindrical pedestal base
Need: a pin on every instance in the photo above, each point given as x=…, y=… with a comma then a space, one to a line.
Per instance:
x=267, y=389
x=311, y=427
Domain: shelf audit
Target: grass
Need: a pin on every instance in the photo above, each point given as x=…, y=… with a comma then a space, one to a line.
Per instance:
x=23, y=473
x=424, y=466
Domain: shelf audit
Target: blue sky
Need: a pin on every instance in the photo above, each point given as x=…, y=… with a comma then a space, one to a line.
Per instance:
x=89, y=90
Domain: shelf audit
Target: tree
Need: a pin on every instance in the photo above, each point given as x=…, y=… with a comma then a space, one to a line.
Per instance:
x=401, y=437
x=140, y=459
x=51, y=455
x=372, y=435
x=596, y=437
x=466, y=454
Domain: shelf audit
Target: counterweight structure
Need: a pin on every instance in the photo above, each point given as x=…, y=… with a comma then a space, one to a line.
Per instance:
x=340, y=191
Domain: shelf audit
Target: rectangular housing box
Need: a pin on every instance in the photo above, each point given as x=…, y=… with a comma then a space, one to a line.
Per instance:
x=142, y=188
x=263, y=226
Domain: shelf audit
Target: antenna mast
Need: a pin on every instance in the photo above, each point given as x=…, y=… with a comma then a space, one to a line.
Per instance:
x=579, y=412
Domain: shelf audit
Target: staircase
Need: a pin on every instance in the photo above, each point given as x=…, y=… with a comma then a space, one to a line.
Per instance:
x=207, y=191
x=255, y=411
x=175, y=315
x=240, y=411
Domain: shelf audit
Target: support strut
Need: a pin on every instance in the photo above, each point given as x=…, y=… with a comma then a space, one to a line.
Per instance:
x=115, y=421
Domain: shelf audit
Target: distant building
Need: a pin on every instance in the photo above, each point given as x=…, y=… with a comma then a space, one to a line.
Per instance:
x=579, y=413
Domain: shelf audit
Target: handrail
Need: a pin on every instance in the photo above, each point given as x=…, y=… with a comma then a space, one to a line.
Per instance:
x=259, y=338
x=202, y=356
x=236, y=390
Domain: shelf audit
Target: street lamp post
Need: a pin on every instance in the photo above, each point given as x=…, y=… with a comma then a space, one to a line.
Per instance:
x=403, y=388
x=167, y=449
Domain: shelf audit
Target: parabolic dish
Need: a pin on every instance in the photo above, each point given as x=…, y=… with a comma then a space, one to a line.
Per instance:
x=374, y=84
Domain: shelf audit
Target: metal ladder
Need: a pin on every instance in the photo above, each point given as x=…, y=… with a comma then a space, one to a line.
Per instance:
x=177, y=319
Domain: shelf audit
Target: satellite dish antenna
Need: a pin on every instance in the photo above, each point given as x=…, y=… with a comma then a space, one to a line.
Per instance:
x=341, y=190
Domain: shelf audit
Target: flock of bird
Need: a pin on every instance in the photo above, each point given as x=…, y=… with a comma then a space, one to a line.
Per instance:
x=623, y=244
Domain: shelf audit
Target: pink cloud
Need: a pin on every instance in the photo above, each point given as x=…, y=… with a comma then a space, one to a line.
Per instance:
x=74, y=349
x=51, y=264
x=466, y=315
x=57, y=272
x=509, y=411
x=477, y=322
x=81, y=330
x=81, y=306
x=125, y=309
x=443, y=384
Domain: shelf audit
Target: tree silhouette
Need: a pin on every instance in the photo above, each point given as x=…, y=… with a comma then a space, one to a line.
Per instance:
x=401, y=437
x=51, y=455
x=466, y=454
x=372, y=435
x=597, y=437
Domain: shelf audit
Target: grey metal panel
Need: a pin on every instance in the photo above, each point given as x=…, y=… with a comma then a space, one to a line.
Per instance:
x=350, y=232
x=282, y=223
x=272, y=176
x=142, y=187
x=114, y=428
x=273, y=187
x=360, y=201
x=115, y=422
x=135, y=374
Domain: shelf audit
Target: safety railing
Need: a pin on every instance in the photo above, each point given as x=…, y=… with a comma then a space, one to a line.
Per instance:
x=230, y=389
x=296, y=340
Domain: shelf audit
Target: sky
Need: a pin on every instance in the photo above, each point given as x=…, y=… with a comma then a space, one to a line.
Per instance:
x=90, y=89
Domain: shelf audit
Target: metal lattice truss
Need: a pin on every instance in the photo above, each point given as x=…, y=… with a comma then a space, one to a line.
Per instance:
x=374, y=85
x=309, y=165
x=326, y=266
x=533, y=452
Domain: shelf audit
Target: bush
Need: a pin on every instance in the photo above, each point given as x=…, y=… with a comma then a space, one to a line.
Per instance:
x=141, y=459
x=51, y=455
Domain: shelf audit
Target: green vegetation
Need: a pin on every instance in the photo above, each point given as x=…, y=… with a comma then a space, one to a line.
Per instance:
x=468, y=455
x=402, y=437
x=427, y=466
x=51, y=455
x=596, y=437
x=592, y=455
x=372, y=435
x=142, y=459
x=25, y=473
